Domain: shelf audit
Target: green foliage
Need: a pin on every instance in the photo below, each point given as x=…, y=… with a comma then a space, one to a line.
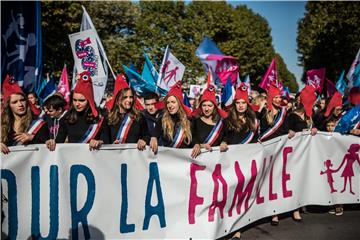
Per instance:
x=128, y=28
x=328, y=36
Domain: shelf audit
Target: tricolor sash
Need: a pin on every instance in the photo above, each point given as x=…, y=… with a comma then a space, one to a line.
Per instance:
x=92, y=131
x=250, y=134
x=215, y=132
x=124, y=128
x=278, y=122
x=179, y=138
x=34, y=127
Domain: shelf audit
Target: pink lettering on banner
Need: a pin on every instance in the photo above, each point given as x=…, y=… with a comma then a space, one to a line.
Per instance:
x=81, y=54
x=85, y=42
x=260, y=199
x=239, y=194
x=286, y=176
x=89, y=64
x=216, y=176
x=194, y=199
x=272, y=196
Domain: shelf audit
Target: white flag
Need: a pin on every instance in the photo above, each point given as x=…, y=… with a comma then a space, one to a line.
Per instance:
x=171, y=71
x=99, y=81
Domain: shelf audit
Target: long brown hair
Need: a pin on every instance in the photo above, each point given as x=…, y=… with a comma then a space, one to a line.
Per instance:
x=72, y=115
x=238, y=125
x=168, y=125
x=115, y=115
x=301, y=110
x=8, y=119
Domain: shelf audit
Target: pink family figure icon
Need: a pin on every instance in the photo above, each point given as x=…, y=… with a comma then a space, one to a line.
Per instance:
x=170, y=75
x=349, y=159
x=329, y=173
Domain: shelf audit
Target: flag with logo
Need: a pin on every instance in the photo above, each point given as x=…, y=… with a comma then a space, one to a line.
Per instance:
x=171, y=71
x=21, y=43
x=271, y=77
x=63, y=86
x=211, y=57
x=316, y=78
x=136, y=82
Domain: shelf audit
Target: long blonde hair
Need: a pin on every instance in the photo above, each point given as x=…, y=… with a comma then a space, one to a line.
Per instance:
x=8, y=119
x=168, y=125
x=115, y=115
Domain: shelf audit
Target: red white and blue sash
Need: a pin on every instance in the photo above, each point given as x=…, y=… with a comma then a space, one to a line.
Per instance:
x=124, y=128
x=357, y=126
x=278, y=122
x=215, y=132
x=35, y=126
x=179, y=138
x=250, y=135
x=92, y=131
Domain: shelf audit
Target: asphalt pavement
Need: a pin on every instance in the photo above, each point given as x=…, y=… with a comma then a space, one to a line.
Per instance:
x=317, y=224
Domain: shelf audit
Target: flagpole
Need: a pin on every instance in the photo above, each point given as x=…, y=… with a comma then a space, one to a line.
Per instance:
x=98, y=40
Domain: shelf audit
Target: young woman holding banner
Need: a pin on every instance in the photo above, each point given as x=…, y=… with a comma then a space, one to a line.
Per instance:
x=82, y=124
x=19, y=126
x=174, y=128
x=242, y=124
x=273, y=123
x=125, y=124
x=209, y=123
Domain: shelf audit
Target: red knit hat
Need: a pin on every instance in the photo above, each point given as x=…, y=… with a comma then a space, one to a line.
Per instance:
x=209, y=95
x=336, y=101
x=354, y=95
x=120, y=84
x=308, y=98
x=10, y=86
x=272, y=92
x=242, y=93
x=176, y=91
x=84, y=86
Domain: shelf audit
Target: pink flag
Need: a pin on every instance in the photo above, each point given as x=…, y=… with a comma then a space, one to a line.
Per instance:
x=330, y=88
x=271, y=77
x=63, y=86
x=316, y=78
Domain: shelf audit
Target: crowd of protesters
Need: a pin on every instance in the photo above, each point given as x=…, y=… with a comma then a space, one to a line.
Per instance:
x=152, y=121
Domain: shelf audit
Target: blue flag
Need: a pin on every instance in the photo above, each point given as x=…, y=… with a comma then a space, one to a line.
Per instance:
x=207, y=46
x=186, y=101
x=21, y=49
x=356, y=77
x=348, y=120
x=136, y=82
x=228, y=93
x=340, y=84
x=150, y=75
x=48, y=90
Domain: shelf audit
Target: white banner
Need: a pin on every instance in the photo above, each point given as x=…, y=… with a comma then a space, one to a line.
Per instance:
x=87, y=58
x=120, y=192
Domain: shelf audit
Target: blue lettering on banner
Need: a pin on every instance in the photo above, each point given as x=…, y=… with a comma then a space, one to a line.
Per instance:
x=81, y=215
x=124, y=227
x=159, y=209
x=12, y=199
x=54, y=203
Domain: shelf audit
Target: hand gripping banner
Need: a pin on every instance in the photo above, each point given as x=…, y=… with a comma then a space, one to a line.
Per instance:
x=120, y=192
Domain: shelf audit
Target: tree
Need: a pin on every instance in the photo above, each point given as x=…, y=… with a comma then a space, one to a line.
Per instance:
x=328, y=36
x=128, y=28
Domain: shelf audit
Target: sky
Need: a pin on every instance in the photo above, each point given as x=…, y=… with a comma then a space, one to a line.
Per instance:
x=282, y=17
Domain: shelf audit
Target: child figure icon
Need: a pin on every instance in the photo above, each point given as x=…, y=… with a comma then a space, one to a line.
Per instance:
x=328, y=164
